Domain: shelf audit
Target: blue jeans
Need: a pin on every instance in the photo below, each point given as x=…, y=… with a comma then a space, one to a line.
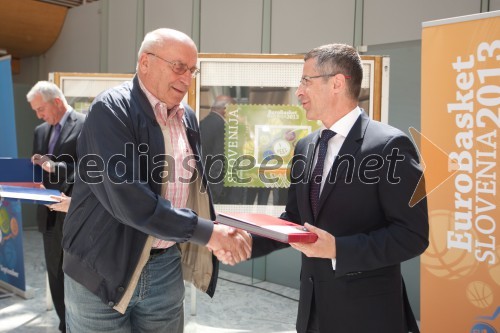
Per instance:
x=156, y=305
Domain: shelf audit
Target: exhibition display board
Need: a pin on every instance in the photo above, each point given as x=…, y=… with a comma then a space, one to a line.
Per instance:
x=12, y=273
x=265, y=120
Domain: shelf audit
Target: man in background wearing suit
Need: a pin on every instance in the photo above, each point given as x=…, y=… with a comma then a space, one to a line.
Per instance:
x=352, y=181
x=54, y=149
x=212, y=131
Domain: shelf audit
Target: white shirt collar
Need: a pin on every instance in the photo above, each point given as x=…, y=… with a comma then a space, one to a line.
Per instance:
x=65, y=117
x=344, y=124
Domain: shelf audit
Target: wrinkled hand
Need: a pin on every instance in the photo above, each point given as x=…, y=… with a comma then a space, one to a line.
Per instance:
x=324, y=247
x=45, y=162
x=62, y=205
x=226, y=257
x=230, y=245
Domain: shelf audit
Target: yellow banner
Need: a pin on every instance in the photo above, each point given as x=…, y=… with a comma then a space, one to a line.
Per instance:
x=460, y=271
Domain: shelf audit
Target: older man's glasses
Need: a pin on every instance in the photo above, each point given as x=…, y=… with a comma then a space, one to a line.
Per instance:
x=306, y=80
x=178, y=67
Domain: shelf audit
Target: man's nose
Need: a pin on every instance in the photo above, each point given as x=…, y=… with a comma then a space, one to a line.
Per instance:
x=299, y=91
x=186, y=78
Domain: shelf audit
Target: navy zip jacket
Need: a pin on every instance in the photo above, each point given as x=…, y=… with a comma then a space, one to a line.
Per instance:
x=117, y=201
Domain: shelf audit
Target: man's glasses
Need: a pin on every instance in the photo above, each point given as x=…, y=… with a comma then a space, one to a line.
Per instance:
x=305, y=80
x=178, y=67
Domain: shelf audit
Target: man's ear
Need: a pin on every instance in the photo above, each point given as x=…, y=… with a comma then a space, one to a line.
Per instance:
x=58, y=102
x=143, y=63
x=339, y=83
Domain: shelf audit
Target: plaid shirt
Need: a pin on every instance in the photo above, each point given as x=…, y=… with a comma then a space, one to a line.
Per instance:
x=171, y=122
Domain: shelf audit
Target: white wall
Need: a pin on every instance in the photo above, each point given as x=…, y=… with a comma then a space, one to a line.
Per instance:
x=236, y=26
x=122, y=36
x=77, y=47
x=298, y=26
x=231, y=26
x=494, y=5
x=390, y=21
x=175, y=14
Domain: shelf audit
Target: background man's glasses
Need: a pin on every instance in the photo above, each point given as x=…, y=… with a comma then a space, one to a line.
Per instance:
x=305, y=80
x=178, y=67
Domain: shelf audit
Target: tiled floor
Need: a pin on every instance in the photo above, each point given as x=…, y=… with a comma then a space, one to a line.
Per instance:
x=236, y=308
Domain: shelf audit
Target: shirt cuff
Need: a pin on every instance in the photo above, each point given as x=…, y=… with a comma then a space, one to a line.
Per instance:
x=202, y=232
x=334, y=263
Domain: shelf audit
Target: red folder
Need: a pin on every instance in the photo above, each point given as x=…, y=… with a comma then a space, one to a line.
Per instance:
x=268, y=226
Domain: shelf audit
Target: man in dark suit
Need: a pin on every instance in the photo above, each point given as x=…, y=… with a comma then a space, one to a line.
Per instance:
x=54, y=148
x=212, y=129
x=352, y=182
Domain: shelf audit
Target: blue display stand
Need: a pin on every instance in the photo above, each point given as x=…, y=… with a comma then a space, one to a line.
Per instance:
x=12, y=276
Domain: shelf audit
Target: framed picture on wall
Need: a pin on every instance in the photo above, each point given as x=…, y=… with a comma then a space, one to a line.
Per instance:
x=275, y=77
x=80, y=89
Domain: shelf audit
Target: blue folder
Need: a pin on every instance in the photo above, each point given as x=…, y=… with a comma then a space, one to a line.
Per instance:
x=28, y=194
x=19, y=170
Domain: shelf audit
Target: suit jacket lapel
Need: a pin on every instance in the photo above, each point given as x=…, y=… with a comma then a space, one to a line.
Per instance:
x=65, y=131
x=44, y=140
x=303, y=187
x=350, y=146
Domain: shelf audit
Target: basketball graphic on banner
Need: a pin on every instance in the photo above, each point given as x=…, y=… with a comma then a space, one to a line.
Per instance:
x=483, y=328
x=479, y=294
x=14, y=226
x=438, y=259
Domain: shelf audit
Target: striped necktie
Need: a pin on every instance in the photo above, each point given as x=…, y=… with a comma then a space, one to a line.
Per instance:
x=317, y=175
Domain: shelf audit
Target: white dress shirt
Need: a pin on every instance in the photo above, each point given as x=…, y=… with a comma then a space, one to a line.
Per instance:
x=342, y=128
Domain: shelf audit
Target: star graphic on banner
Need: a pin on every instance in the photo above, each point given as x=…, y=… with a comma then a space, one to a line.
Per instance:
x=439, y=169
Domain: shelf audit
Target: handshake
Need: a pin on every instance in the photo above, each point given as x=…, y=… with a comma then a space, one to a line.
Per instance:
x=230, y=245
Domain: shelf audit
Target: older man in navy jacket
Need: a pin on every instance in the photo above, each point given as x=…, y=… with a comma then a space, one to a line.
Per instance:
x=141, y=191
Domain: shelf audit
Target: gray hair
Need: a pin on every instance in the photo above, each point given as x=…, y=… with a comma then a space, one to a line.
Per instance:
x=48, y=90
x=152, y=41
x=339, y=58
x=221, y=101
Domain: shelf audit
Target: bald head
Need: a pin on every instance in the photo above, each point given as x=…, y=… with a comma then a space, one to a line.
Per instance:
x=167, y=61
x=160, y=38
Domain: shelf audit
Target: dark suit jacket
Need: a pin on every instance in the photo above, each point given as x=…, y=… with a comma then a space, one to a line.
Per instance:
x=62, y=180
x=374, y=228
x=212, y=142
x=212, y=131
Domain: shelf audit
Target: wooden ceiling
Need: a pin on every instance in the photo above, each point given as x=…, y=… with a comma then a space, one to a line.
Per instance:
x=29, y=28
